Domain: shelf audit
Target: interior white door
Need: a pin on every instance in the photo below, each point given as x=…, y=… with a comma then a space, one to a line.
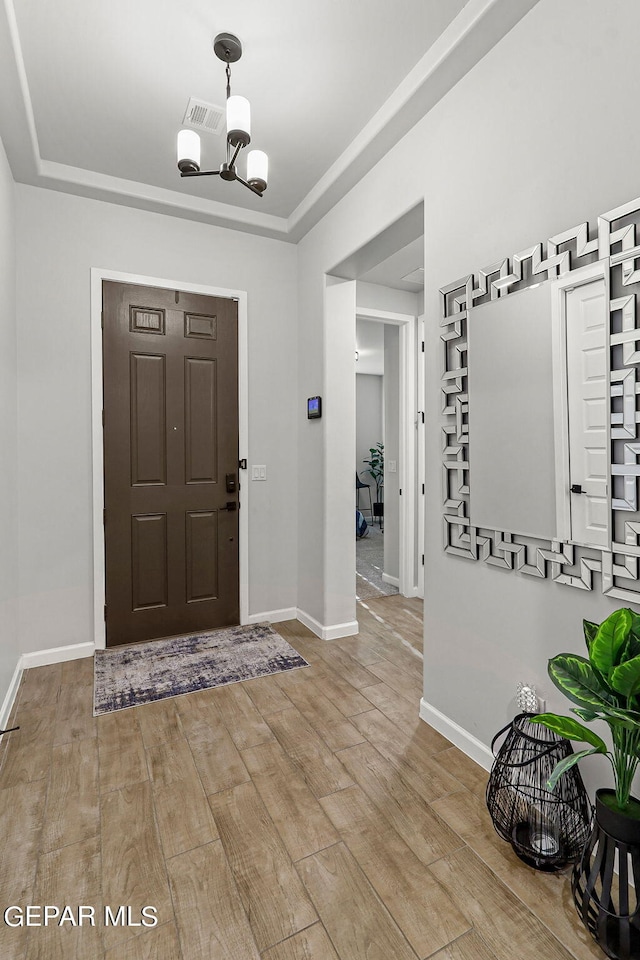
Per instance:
x=587, y=390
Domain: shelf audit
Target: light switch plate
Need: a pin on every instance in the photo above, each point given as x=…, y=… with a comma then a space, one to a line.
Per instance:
x=258, y=471
x=393, y=466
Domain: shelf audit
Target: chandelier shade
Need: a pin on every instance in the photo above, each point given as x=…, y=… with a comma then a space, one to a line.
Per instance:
x=238, y=121
x=188, y=150
x=258, y=168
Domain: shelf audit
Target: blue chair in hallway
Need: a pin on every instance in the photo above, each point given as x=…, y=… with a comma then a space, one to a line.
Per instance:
x=363, y=486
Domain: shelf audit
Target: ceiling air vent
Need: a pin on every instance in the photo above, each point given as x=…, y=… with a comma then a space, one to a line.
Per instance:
x=416, y=276
x=203, y=117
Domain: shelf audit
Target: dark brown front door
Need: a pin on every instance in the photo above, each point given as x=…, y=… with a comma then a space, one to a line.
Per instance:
x=171, y=458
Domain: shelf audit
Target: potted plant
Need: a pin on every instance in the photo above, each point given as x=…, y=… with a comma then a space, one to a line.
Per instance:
x=376, y=469
x=605, y=686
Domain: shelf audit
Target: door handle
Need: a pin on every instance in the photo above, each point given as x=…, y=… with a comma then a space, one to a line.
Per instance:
x=230, y=505
x=576, y=488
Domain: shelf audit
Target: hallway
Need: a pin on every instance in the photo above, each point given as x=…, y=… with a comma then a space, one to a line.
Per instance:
x=302, y=816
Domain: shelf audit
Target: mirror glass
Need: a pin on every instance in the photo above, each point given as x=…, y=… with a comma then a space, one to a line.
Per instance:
x=511, y=414
x=539, y=393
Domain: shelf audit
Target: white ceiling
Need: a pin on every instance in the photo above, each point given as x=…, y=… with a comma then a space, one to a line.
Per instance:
x=392, y=271
x=95, y=91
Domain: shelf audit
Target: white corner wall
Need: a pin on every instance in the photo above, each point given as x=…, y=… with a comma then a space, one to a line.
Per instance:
x=490, y=188
x=376, y=296
x=9, y=641
x=59, y=239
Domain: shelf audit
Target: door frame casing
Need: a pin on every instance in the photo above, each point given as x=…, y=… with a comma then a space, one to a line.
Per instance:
x=421, y=456
x=560, y=286
x=407, y=325
x=98, y=274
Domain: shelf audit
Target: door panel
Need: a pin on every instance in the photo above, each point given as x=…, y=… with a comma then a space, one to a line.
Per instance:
x=202, y=556
x=170, y=438
x=588, y=405
x=149, y=561
x=200, y=421
x=148, y=425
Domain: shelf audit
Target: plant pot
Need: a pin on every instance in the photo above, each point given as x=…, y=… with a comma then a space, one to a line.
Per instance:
x=606, y=905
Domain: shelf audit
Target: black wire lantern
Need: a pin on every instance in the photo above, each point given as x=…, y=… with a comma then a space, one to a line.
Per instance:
x=547, y=829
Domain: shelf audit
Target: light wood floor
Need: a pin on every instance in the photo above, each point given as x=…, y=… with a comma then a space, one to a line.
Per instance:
x=305, y=816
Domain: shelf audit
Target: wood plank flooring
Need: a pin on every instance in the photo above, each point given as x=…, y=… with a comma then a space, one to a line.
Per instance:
x=310, y=815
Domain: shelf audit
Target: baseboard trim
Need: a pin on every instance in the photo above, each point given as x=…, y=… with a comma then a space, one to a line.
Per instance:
x=334, y=632
x=42, y=658
x=10, y=696
x=338, y=630
x=460, y=737
x=273, y=616
x=393, y=581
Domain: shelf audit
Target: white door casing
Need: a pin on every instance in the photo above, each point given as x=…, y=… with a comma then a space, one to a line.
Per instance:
x=407, y=446
x=587, y=391
x=420, y=453
x=581, y=387
x=99, y=274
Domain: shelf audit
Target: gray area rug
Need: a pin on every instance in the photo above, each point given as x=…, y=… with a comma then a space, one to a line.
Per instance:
x=370, y=566
x=141, y=672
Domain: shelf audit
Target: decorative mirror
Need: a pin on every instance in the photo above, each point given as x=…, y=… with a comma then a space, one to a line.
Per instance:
x=539, y=385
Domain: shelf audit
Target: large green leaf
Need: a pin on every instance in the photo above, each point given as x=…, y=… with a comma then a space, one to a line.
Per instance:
x=618, y=716
x=571, y=729
x=563, y=765
x=631, y=647
x=610, y=639
x=625, y=678
x=587, y=715
x=590, y=631
x=577, y=679
x=619, y=711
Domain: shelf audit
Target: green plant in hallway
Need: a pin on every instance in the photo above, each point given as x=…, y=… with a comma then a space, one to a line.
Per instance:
x=605, y=685
x=376, y=467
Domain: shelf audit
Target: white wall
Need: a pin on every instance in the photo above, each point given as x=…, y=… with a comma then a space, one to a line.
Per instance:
x=338, y=611
x=369, y=429
x=391, y=450
x=370, y=347
x=59, y=239
x=9, y=642
x=568, y=152
x=376, y=296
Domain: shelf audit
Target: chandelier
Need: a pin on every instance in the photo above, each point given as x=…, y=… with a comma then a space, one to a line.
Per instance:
x=227, y=48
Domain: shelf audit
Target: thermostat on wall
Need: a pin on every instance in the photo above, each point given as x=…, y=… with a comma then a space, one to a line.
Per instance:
x=314, y=408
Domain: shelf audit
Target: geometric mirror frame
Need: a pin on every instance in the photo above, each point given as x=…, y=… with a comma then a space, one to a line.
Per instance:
x=565, y=563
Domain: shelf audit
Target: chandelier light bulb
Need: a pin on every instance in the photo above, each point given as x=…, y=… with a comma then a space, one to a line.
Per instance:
x=258, y=169
x=238, y=121
x=188, y=151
